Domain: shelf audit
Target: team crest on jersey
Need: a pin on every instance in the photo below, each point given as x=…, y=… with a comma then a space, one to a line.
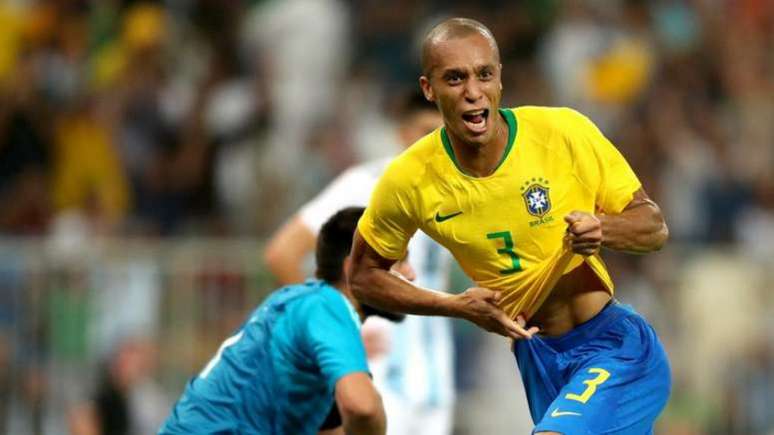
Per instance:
x=536, y=197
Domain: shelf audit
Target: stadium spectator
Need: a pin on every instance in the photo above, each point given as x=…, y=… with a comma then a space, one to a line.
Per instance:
x=124, y=402
x=25, y=155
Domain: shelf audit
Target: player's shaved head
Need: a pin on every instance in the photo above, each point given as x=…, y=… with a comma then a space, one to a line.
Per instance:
x=451, y=29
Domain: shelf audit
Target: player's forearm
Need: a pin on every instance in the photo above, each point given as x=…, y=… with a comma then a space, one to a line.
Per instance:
x=389, y=292
x=640, y=228
x=372, y=283
x=360, y=405
x=285, y=270
x=286, y=250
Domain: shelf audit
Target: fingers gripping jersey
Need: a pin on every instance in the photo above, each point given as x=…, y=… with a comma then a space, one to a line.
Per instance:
x=506, y=230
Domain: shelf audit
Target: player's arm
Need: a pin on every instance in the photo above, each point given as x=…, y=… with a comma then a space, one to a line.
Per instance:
x=287, y=249
x=627, y=219
x=332, y=338
x=360, y=405
x=372, y=282
x=639, y=228
x=382, y=237
x=332, y=423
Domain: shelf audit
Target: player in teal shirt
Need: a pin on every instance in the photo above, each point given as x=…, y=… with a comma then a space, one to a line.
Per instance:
x=297, y=356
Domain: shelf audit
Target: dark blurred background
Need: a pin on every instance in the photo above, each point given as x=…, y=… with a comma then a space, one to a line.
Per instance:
x=148, y=148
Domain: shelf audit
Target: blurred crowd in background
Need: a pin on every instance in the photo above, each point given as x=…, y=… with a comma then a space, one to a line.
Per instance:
x=175, y=119
x=178, y=117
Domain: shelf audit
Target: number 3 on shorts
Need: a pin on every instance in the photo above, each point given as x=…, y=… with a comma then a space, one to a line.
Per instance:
x=591, y=385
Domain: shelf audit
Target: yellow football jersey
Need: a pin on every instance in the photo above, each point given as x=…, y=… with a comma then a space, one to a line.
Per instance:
x=506, y=230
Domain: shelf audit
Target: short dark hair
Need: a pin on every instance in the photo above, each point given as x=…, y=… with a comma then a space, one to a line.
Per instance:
x=333, y=246
x=450, y=29
x=334, y=243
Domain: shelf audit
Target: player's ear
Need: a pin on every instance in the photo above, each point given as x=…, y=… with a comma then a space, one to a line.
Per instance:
x=424, y=83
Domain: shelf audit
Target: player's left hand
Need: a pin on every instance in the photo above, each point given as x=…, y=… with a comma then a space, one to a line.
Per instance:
x=584, y=232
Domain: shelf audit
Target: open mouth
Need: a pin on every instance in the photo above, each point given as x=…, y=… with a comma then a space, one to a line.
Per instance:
x=476, y=120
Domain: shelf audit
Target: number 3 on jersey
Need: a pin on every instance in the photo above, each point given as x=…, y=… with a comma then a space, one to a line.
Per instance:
x=507, y=250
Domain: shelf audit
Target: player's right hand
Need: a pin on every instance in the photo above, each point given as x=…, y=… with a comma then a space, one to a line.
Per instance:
x=479, y=305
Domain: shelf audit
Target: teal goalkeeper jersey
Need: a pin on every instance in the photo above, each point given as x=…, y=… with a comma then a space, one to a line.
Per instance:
x=277, y=374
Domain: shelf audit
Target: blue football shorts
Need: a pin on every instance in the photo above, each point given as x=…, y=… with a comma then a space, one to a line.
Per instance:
x=609, y=375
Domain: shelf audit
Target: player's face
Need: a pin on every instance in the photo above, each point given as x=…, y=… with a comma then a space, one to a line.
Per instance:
x=418, y=125
x=465, y=83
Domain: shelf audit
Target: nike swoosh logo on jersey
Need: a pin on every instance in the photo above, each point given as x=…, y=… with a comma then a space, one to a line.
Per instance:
x=439, y=218
x=557, y=413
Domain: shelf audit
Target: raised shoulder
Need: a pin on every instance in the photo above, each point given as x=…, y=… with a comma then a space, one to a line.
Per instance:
x=325, y=303
x=557, y=119
x=325, y=294
x=310, y=292
x=558, y=128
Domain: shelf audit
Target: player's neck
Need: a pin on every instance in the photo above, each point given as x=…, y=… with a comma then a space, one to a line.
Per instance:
x=344, y=289
x=481, y=160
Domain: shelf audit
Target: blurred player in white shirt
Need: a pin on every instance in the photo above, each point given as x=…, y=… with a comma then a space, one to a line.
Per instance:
x=411, y=361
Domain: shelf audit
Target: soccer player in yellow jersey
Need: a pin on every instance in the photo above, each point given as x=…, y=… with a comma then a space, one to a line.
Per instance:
x=524, y=199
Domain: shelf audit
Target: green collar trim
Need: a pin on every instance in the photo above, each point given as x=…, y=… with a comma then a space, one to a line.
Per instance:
x=510, y=119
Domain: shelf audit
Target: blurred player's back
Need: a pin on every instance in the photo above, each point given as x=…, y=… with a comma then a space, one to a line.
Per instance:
x=273, y=375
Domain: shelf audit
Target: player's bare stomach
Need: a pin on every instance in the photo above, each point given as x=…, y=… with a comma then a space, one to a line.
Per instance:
x=576, y=298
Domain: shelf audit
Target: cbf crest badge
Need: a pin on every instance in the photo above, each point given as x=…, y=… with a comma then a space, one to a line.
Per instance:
x=536, y=197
